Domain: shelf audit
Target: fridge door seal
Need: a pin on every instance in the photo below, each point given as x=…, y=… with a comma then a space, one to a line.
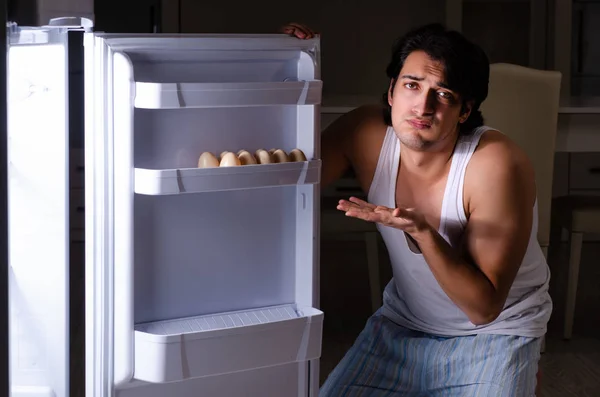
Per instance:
x=99, y=220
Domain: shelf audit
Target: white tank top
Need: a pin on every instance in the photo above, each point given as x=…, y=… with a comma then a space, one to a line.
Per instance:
x=414, y=298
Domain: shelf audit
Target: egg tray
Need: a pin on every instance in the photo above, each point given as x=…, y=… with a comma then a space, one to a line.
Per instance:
x=244, y=157
x=200, y=180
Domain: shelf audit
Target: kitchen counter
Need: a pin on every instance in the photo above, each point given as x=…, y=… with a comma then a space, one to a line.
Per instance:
x=579, y=105
x=578, y=119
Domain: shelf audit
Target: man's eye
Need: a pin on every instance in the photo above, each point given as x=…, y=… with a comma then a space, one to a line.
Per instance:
x=410, y=86
x=445, y=95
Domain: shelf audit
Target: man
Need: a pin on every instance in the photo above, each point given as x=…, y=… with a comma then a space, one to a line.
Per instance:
x=455, y=202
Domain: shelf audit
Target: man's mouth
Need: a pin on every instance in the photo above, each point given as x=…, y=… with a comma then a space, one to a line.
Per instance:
x=419, y=124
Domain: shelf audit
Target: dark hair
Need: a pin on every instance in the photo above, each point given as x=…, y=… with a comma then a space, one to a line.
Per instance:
x=466, y=67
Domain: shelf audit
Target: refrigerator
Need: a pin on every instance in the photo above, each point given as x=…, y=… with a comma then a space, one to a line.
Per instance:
x=200, y=280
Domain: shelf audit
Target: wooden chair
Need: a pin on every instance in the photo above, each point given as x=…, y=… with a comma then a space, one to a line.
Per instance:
x=523, y=103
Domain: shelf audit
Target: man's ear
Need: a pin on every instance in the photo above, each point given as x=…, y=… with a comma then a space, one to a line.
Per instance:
x=390, y=91
x=465, y=111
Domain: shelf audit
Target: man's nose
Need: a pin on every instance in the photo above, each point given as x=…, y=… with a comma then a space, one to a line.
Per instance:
x=425, y=103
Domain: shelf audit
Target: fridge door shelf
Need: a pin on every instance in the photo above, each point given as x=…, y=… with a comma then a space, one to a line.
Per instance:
x=175, y=350
x=202, y=95
x=200, y=180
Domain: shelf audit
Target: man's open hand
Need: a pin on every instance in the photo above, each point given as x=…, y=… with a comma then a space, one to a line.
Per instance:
x=405, y=219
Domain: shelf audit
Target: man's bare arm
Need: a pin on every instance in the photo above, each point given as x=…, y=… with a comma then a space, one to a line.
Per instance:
x=340, y=142
x=501, y=193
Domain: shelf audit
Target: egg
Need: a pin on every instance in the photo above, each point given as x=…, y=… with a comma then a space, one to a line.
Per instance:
x=263, y=157
x=297, y=155
x=207, y=160
x=272, y=151
x=223, y=154
x=229, y=160
x=246, y=158
x=279, y=156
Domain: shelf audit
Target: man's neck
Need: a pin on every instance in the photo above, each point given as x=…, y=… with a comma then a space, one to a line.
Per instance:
x=429, y=164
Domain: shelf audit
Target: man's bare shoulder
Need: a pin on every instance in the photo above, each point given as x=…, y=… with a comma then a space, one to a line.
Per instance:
x=499, y=162
x=366, y=142
x=351, y=142
x=496, y=149
x=368, y=118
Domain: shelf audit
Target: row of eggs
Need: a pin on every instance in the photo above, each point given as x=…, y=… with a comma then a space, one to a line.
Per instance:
x=244, y=157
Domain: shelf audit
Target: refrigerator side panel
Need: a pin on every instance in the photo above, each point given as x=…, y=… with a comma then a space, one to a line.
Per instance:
x=308, y=228
x=307, y=271
x=314, y=365
x=4, y=300
x=38, y=213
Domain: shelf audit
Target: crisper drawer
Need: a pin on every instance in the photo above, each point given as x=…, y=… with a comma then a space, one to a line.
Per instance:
x=194, y=347
x=584, y=171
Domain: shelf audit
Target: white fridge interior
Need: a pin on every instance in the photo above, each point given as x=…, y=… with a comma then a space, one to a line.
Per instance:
x=196, y=277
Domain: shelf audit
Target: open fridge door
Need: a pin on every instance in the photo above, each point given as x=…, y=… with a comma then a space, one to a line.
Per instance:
x=202, y=279
x=38, y=212
x=40, y=125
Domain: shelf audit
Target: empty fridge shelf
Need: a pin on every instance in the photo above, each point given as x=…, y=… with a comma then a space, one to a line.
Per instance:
x=199, y=180
x=219, y=321
x=175, y=350
x=200, y=95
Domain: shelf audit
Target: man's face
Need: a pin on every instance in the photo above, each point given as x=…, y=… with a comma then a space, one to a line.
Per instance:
x=425, y=113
